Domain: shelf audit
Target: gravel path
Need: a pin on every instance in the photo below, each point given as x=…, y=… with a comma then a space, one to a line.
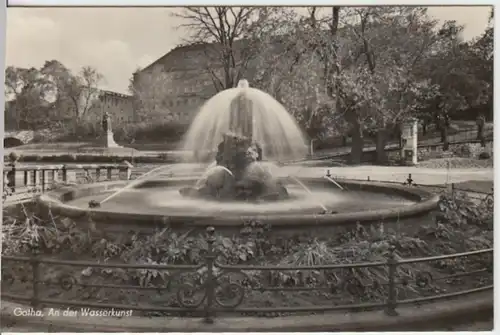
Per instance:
x=456, y=163
x=421, y=175
x=476, y=326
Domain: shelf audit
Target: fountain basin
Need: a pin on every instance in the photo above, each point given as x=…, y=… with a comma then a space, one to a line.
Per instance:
x=156, y=203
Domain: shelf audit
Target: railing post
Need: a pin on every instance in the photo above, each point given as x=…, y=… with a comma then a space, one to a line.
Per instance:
x=86, y=175
x=109, y=173
x=26, y=178
x=35, y=179
x=42, y=179
x=392, y=264
x=54, y=177
x=11, y=180
x=127, y=168
x=210, y=284
x=64, y=174
x=35, y=267
x=11, y=175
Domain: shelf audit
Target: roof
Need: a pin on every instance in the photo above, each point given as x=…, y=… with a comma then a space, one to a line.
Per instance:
x=113, y=94
x=185, y=57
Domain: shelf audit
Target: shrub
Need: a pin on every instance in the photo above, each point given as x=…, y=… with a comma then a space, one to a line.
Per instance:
x=161, y=131
x=80, y=131
x=462, y=150
x=484, y=155
x=458, y=209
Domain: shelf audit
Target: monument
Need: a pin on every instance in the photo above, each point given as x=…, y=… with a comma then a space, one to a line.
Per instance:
x=106, y=143
x=410, y=141
x=109, y=136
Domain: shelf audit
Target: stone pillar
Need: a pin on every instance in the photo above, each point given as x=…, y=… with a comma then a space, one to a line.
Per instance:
x=410, y=140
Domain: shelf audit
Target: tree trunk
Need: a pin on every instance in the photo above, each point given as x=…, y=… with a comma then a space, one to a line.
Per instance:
x=402, y=145
x=480, y=135
x=381, y=140
x=357, y=144
x=344, y=141
x=480, y=132
x=444, y=138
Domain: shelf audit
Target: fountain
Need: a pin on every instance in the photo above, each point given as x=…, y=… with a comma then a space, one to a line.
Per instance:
x=238, y=175
x=243, y=132
x=250, y=113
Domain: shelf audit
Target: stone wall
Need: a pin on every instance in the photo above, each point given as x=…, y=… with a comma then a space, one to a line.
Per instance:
x=470, y=149
x=464, y=150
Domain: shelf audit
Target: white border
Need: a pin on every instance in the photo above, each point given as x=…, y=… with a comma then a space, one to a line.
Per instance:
x=95, y=3
x=289, y=3
x=3, y=43
x=496, y=162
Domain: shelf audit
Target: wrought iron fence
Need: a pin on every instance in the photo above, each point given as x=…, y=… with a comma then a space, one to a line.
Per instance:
x=212, y=288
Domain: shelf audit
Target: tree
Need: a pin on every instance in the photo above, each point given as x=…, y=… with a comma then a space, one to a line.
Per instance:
x=290, y=68
x=26, y=93
x=456, y=70
x=224, y=32
x=390, y=43
x=74, y=95
x=482, y=55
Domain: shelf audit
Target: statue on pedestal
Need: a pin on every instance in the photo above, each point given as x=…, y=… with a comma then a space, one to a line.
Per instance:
x=106, y=122
x=108, y=133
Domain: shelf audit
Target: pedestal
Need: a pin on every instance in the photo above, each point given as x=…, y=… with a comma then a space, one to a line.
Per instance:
x=410, y=139
x=110, y=141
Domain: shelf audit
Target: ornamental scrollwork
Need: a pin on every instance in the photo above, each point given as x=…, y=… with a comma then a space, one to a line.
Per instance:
x=229, y=288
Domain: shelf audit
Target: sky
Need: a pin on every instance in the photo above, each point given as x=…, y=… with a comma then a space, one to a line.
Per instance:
x=117, y=41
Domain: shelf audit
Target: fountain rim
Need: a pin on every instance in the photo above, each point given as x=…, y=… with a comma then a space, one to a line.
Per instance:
x=426, y=202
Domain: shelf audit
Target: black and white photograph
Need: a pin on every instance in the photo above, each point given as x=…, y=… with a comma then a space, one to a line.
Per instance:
x=248, y=169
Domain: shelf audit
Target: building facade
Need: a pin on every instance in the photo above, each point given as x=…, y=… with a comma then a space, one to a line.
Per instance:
x=182, y=80
x=119, y=107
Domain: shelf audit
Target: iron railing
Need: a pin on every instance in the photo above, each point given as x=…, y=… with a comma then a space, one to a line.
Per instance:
x=409, y=181
x=211, y=287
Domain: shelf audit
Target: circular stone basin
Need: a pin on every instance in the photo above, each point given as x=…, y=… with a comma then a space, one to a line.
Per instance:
x=313, y=201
